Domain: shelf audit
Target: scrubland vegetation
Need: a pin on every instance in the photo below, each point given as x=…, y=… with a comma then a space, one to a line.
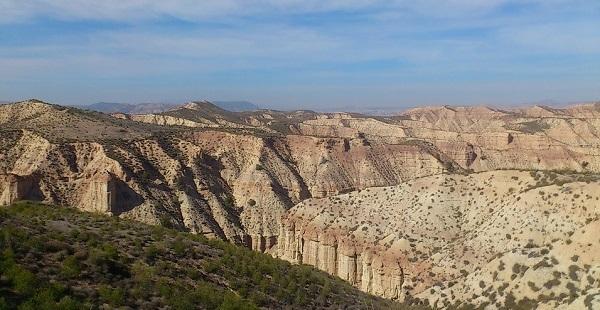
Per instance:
x=59, y=258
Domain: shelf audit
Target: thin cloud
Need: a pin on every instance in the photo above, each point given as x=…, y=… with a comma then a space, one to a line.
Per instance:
x=137, y=10
x=290, y=47
x=567, y=37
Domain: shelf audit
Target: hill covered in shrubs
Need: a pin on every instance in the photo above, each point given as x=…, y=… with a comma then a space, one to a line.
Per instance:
x=58, y=258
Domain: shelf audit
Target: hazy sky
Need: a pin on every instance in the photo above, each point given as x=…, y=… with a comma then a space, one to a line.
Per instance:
x=301, y=53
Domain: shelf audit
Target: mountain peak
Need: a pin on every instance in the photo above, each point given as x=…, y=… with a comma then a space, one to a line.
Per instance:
x=202, y=104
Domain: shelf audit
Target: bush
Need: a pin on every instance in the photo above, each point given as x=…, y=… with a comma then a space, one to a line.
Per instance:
x=208, y=296
x=51, y=297
x=179, y=247
x=113, y=296
x=152, y=253
x=70, y=267
x=165, y=221
x=23, y=281
x=233, y=302
x=211, y=266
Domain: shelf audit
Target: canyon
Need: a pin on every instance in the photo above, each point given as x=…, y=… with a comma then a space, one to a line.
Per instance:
x=443, y=205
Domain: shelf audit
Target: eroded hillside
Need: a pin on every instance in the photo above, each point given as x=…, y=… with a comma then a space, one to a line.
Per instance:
x=58, y=258
x=230, y=185
x=483, y=238
x=236, y=176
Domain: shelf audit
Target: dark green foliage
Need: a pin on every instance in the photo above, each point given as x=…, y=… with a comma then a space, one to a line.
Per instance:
x=114, y=296
x=102, y=260
x=71, y=267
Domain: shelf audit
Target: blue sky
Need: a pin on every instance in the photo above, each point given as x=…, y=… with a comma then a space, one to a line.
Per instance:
x=301, y=54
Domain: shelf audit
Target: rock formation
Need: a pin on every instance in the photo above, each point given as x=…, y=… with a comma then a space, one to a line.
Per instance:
x=443, y=238
x=14, y=188
x=300, y=184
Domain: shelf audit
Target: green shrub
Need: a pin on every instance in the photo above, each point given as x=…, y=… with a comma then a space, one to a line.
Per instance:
x=70, y=267
x=233, y=302
x=23, y=281
x=113, y=296
x=152, y=253
x=179, y=246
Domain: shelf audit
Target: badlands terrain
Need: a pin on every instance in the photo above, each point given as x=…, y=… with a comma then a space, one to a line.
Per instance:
x=445, y=206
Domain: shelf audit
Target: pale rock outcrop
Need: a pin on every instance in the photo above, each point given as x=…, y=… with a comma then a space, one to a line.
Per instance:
x=14, y=188
x=422, y=237
x=99, y=196
x=167, y=120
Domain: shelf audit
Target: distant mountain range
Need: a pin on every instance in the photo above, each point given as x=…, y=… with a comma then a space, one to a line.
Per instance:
x=144, y=108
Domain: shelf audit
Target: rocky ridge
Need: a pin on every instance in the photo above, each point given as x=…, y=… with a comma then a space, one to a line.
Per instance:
x=237, y=175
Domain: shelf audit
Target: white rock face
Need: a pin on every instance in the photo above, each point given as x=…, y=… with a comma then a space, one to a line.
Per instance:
x=99, y=196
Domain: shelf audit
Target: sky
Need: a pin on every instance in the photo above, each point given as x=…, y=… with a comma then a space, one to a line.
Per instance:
x=313, y=54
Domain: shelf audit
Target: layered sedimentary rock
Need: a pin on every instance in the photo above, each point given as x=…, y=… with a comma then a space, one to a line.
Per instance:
x=485, y=139
x=372, y=273
x=238, y=176
x=204, y=181
x=442, y=238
